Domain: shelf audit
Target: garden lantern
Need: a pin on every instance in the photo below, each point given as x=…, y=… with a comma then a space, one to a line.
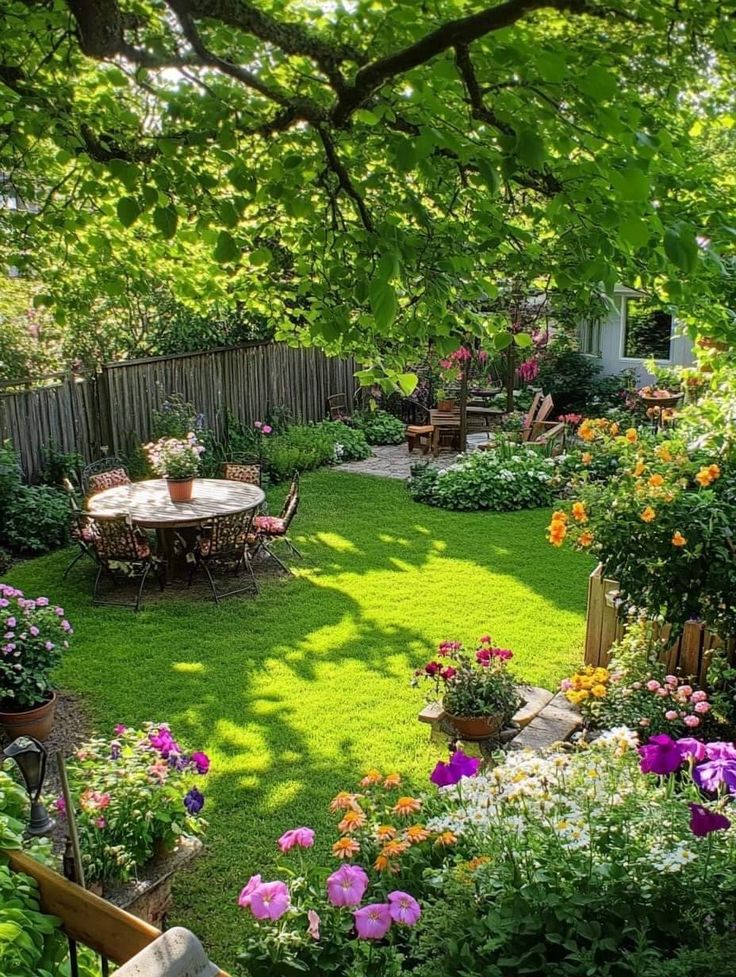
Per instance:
x=30, y=757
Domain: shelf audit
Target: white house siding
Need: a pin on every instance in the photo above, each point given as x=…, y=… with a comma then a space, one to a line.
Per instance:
x=606, y=341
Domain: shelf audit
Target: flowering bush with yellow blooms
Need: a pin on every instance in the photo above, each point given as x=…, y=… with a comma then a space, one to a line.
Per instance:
x=660, y=514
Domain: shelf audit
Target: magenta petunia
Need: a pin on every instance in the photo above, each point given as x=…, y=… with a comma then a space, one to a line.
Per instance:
x=403, y=908
x=347, y=885
x=270, y=900
x=296, y=838
x=703, y=821
x=661, y=756
x=690, y=747
x=460, y=765
x=201, y=762
x=372, y=922
x=720, y=751
x=713, y=773
x=247, y=891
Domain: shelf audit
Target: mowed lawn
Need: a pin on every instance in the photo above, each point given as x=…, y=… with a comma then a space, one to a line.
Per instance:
x=294, y=694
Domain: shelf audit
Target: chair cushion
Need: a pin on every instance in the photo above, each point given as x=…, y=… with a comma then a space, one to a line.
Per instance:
x=85, y=533
x=108, y=480
x=420, y=428
x=236, y=472
x=269, y=525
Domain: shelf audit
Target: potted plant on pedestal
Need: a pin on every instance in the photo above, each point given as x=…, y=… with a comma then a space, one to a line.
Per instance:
x=33, y=636
x=477, y=691
x=176, y=460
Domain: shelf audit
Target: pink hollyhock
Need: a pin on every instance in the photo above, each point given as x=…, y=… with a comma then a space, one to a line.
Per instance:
x=403, y=908
x=347, y=885
x=372, y=922
x=270, y=900
x=297, y=837
x=247, y=891
x=314, y=921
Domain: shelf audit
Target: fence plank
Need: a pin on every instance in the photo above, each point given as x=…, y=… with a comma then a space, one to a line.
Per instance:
x=110, y=413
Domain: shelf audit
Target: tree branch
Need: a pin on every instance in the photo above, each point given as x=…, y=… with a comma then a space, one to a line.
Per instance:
x=343, y=177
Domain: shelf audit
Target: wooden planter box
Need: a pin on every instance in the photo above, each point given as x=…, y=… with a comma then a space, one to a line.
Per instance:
x=604, y=626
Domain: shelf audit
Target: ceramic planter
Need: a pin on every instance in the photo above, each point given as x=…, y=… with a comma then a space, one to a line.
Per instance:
x=475, y=727
x=671, y=400
x=180, y=489
x=36, y=722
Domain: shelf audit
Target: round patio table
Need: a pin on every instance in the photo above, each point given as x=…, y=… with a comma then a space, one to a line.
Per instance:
x=148, y=504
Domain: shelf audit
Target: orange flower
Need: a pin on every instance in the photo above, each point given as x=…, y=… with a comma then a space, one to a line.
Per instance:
x=586, y=458
x=384, y=864
x=386, y=832
x=578, y=512
x=662, y=451
x=557, y=529
x=715, y=471
x=648, y=514
x=445, y=839
x=639, y=468
x=345, y=801
x=351, y=822
x=392, y=849
x=475, y=863
x=372, y=778
x=345, y=848
x=614, y=429
x=559, y=516
x=416, y=833
x=586, y=432
x=656, y=480
x=631, y=435
x=406, y=806
x=392, y=780
x=678, y=539
x=707, y=475
x=586, y=538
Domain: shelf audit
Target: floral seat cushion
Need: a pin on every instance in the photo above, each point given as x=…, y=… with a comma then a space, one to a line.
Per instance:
x=107, y=480
x=236, y=472
x=269, y=525
x=205, y=545
x=83, y=533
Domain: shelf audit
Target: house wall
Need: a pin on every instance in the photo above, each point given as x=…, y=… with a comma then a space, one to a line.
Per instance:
x=609, y=337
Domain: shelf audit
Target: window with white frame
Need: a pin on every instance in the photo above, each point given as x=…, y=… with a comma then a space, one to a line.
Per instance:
x=647, y=330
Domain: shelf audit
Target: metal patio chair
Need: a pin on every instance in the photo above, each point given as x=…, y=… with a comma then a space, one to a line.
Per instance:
x=267, y=530
x=106, y=473
x=223, y=543
x=124, y=555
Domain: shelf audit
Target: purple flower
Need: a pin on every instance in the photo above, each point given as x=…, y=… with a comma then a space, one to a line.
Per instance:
x=403, y=908
x=297, y=837
x=49, y=646
x=42, y=601
x=247, y=891
x=372, y=922
x=703, y=821
x=347, y=885
x=720, y=751
x=60, y=805
x=114, y=750
x=34, y=631
x=661, y=755
x=120, y=729
x=194, y=801
x=710, y=775
x=460, y=765
x=163, y=741
x=270, y=900
x=10, y=622
x=690, y=747
x=201, y=761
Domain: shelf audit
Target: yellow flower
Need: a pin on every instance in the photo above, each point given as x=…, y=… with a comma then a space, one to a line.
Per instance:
x=599, y=691
x=586, y=538
x=345, y=848
x=715, y=471
x=601, y=674
x=656, y=480
x=407, y=805
x=678, y=539
x=614, y=430
x=587, y=457
x=648, y=514
x=631, y=435
x=586, y=433
x=639, y=468
x=578, y=512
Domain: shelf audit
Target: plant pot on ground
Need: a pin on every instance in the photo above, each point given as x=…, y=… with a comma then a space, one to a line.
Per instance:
x=35, y=633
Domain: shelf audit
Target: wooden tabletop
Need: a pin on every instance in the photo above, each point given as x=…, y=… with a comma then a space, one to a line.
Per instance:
x=148, y=503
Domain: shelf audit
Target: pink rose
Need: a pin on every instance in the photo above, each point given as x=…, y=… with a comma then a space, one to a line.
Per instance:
x=671, y=715
x=691, y=721
x=686, y=690
x=699, y=696
x=702, y=707
x=653, y=685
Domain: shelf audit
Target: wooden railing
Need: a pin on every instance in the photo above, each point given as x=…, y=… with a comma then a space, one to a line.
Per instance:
x=86, y=918
x=689, y=654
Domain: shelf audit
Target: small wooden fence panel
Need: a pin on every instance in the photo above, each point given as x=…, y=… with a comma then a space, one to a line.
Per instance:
x=109, y=413
x=688, y=655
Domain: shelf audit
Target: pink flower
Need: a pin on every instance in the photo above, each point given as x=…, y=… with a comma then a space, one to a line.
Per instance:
x=42, y=601
x=671, y=679
x=690, y=747
x=247, y=891
x=34, y=632
x=372, y=922
x=100, y=823
x=258, y=424
x=653, y=685
x=60, y=805
x=565, y=685
x=686, y=690
x=702, y=707
x=671, y=715
x=691, y=721
x=201, y=761
x=699, y=696
x=297, y=837
x=314, y=921
x=270, y=900
x=448, y=673
x=266, y=429
x=403, y=908
x=663, y=692
x=120, y=729
x=347, y=885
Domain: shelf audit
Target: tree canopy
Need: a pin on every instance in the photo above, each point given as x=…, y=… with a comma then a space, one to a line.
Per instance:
x=364, y=172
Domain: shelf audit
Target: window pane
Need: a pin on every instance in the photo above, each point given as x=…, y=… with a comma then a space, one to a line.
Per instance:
x=647, y=332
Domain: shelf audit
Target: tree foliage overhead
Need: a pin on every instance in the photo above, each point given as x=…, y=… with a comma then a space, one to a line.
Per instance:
x=362, y=172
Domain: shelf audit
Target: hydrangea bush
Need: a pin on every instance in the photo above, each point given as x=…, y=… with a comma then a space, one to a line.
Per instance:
x=35, y=633
x=134, y=794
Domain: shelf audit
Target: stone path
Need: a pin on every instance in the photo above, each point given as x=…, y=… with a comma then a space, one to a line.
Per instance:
x=394, y=461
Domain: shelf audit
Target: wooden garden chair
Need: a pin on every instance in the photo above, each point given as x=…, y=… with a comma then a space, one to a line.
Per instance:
x=446, y=426
x=419, y=432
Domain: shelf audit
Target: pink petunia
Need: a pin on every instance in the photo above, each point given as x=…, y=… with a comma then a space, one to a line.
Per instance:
x=270, y=900
x=372, y=922
x=347, y=885
x=247, y=891
x=403, y=908
x=314, y=921
x=296, y=838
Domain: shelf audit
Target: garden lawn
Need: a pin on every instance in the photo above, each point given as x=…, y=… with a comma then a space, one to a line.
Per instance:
x=296, y=693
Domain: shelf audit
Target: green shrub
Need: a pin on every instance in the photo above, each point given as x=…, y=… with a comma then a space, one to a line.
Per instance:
x=308, y=446
x=509, y=477
x=36, y=519
x=569, y=376
x=59, y=464
x=380, y=427
x=11, y=475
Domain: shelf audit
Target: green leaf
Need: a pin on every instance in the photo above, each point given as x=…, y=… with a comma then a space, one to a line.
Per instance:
x=383, y=303
x=261, y=256
x=226, y=249
x=42, y=300
x=388, y=266
x=635, y=231
x=530, y=148
x=124, y=171
x=502, y=340
x=523, y=340
x=550, y=65
x=681, y=247
x=632, y=183
x=489, y=175
x=407, y=383
x=165, y=220
x=599, y=83
x=366, y=116
x=128, y=211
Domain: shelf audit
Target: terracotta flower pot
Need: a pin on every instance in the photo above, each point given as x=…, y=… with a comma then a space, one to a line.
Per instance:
x=475, y=727
x=180, y=489
x=446, y=405
x=36, y=722
x=666, y=401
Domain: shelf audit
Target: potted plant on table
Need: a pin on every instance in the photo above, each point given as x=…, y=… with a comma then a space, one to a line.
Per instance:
x=176, y=460
x=477, y=691
x=34, y=633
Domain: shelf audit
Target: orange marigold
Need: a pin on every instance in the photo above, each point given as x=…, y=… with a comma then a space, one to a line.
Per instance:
x=678, y=539
x=386, y=832
x=392, y=849
x=715, y=471
x=656, y=480
x=384, y=864
x=578, y=512
x=631, y=435
x=392, y=780
x=407, y=805
x=351, y=822
x=648, y=514
x=614, y=429
x=372, y=778
x=586, y=458
x=445, y=839
x=585, y=538
x=345, y=801
x=416, y=833
x=345, y=848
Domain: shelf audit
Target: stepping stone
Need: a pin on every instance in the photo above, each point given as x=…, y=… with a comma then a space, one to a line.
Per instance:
x=535, y=700
x=554, y=724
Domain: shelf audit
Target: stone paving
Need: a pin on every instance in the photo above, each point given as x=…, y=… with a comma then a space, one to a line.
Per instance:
x=394, y=461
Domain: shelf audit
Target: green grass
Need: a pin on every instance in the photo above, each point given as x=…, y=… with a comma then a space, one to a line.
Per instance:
x=296, y=693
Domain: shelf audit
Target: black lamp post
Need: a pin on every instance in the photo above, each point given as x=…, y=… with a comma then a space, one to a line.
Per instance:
x=30, y=756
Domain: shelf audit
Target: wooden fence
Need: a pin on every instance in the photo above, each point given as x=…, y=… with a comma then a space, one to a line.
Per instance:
x=109, y=413
x=604, y=626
